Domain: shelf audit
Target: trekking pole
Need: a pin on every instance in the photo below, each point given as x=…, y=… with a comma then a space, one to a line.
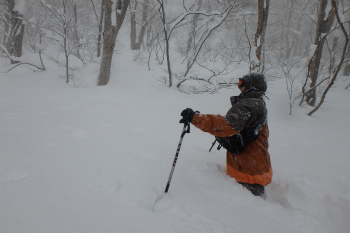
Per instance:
x=186, y=129
x=212, y=145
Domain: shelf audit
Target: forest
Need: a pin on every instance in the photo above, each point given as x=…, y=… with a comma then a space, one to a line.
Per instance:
x=91, y=95
x=198, y=42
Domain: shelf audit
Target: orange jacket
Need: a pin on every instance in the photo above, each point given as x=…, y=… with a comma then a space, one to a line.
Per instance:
x=253, y=164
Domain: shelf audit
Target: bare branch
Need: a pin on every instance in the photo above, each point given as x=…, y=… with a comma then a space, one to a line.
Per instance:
x=345, y=48
x=19, y=62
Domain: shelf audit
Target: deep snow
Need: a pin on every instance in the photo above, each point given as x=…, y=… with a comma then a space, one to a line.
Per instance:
x=95, y=159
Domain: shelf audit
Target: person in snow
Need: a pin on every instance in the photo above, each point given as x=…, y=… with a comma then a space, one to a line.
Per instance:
x=243, y=132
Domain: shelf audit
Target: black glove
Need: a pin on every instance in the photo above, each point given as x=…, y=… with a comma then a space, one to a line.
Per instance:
x=187, y=115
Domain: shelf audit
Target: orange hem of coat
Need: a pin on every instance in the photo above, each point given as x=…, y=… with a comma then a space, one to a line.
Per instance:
x=263, y=179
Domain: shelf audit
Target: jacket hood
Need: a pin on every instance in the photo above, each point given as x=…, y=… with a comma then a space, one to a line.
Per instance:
x=246, y=94
x=255, y=82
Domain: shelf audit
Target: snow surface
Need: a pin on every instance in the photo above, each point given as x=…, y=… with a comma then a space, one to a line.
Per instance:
x=95, y=159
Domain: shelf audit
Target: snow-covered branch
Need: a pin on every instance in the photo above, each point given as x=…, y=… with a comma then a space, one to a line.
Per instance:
x=183, y=16
x=18, y=61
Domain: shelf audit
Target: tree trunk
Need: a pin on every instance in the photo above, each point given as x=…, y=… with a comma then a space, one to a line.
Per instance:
x=323, y=26
x=133, y=27
x=75, y=34
x=166, y=38
x=297, y=42
x=9, y=5
x=18, y=40
x=144, y=24
x=100, y=28
x=263, y=12
x=346, y=71
x=313, y=73
x=342, y=58
x=65, y=44
x=14, y=40
x=136, y=41
x=287, y=35
x=191, y=39
x=332, y=54
x=109, y=37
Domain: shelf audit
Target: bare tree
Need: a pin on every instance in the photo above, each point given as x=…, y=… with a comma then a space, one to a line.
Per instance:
x=17, y=62
x=290, y=30
x=62, y=25
x=76, y=37
x=210, y=20
x=136, y=40
x=110, y=34
x=154, y=35
x=198, y=38
x=166, y=39
x=31, y=39
x=346, y=71
x=287, y=66
x=257, y=63
x=34, y=31
x=100, y=25
x=334, y=74
x=322, y=28
x=13, y=29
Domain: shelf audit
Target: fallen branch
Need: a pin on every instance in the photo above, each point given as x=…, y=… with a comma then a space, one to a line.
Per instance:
x=24, y=63
x=17, y=62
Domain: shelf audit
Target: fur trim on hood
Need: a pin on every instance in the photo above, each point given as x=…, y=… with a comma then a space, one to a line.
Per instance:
x=255, y=81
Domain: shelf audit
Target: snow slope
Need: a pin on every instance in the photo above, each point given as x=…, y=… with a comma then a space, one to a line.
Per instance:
x=94, y=159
